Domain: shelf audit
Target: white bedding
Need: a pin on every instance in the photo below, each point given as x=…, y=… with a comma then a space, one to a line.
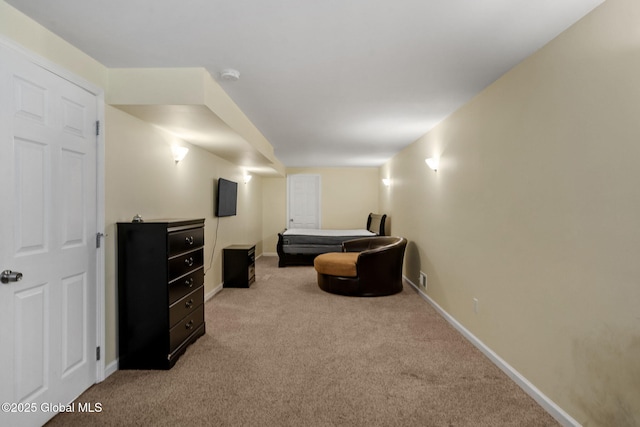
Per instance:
x=328, y=233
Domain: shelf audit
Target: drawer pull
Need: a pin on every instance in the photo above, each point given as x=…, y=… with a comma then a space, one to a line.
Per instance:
x=189, y=324
x=189, y=240
x=189, y=261
x=189, y=282
x=189, y=303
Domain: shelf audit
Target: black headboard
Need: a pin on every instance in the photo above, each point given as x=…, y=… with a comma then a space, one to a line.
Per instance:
x=376, y=222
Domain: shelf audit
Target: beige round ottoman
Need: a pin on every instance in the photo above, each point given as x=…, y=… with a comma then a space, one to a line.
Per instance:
x=337, y=272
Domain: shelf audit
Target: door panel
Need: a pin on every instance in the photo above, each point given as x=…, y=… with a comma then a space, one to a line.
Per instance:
x=30, y=100
x=47, y=222
x=31, y=342
x=72, y=201
x=30, y=194
x=73, y=323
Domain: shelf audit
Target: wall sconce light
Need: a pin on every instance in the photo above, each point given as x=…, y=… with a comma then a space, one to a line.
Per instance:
x=386, y=182
x=247, y=178
x=432, y=162
x=179, y=153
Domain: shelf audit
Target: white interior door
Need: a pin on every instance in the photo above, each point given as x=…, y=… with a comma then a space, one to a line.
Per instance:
x=304, y=201
x=47, y=227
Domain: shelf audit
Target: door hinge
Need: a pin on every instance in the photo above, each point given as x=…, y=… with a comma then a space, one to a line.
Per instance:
x=98, y=237
x=97, y=353
x=97, y=127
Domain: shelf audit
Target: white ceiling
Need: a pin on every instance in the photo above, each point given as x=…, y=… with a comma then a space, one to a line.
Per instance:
x=327, y=82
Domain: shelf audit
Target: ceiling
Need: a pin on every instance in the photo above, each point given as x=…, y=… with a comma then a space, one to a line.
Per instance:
x=328, y=83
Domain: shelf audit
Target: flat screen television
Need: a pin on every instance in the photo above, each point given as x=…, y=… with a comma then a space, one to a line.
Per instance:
x=226, y=198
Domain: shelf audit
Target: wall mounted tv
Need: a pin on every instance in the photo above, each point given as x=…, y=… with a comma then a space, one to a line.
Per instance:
x=226, y=198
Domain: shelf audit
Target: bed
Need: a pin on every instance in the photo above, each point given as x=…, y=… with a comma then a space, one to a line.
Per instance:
x=300, y=246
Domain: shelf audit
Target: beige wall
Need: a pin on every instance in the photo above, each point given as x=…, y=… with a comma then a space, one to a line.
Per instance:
x=534, y=211
x=348, y=195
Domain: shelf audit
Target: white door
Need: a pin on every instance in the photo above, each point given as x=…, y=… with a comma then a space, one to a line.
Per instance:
x=47, y=233
x=304, y=201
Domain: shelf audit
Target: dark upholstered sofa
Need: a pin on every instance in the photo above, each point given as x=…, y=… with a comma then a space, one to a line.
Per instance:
x=366, y=267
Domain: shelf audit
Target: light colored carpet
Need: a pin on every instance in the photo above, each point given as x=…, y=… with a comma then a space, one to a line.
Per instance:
x=285, y=353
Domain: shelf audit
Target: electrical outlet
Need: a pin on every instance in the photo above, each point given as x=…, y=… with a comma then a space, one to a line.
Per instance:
x=423, y=280
x=475, y=305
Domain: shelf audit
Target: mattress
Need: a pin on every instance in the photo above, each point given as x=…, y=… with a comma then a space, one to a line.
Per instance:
x=312, y=241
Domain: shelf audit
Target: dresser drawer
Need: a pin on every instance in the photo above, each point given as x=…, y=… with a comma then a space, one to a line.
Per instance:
x=184, y=241
x=185, y=327
x=185, y=263
x=186, y=284
x=185, y=306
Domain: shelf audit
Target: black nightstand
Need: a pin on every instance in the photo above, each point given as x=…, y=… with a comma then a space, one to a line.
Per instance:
x=239, y=267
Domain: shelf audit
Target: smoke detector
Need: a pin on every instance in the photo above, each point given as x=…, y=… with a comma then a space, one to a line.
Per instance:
x=230, y=75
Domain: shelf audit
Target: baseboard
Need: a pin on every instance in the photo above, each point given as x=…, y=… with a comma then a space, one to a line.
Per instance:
x=110, y=368
x=218, y=288
x=269, y=254
x=213, y=292
x=549, y=405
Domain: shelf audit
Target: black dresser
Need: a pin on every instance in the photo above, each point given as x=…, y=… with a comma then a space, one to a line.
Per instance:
x=160, y=291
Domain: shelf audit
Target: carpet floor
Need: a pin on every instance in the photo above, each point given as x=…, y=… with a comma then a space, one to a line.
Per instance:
x=285, y=353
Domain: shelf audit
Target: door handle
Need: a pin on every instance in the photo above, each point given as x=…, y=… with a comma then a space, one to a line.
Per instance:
x=10, y=276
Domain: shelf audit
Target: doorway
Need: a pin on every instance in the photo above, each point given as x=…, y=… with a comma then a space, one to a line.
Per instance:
x=303, y=206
